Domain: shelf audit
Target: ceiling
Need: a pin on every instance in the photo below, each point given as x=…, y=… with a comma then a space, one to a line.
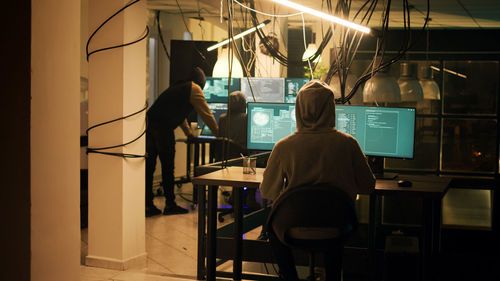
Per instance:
x=477, y=14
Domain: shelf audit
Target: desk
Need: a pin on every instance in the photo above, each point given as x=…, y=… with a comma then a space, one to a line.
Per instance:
x=230, y=176
x=430, y=188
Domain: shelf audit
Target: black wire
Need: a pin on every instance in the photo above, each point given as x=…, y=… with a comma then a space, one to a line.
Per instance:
x=182, y=13
x=124, y=155
x=117, y=119
x=118, y=145
x=161, y=34
x=102, y=24
x=121, y=45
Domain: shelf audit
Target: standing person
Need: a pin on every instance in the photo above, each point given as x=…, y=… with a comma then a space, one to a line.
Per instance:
x=315, y=153
x=169, y=111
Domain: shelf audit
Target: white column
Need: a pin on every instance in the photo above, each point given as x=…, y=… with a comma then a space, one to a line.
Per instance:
x=117, y=87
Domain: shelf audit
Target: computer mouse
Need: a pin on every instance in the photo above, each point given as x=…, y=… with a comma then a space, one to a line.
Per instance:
x=404, y=183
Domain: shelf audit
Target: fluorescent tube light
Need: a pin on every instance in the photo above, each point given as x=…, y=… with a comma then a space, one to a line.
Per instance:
x=450, y=71
x=323, y=15
x=253, y=29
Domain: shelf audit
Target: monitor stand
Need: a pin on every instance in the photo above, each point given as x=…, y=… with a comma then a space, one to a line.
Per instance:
x=377, y=166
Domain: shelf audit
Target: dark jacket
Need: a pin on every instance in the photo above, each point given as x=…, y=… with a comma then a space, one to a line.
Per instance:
x=171, y=107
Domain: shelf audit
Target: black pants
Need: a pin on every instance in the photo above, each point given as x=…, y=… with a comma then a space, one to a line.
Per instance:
x=284, y=258
x=160, y=142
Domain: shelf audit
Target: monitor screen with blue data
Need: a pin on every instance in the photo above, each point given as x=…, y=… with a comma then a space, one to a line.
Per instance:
x=216, y=89
x=258, y=89
x=217, y=108
x=292, y=87
x=268, y=123
x=380, y=131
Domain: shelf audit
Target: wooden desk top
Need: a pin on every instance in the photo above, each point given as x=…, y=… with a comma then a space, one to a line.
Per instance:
x=432, y=186
x=231, y=176
x=421, y=186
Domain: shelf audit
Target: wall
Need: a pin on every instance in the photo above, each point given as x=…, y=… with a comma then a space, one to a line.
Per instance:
x=14, y=121
x=55, y=78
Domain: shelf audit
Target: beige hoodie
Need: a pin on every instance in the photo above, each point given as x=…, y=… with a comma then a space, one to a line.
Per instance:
x=316, y=152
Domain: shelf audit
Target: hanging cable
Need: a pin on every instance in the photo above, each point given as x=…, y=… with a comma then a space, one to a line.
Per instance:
x=161, y=34
x=182, y=14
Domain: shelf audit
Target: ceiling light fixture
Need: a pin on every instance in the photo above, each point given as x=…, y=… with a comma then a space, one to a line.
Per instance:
x=411, y=90
x=382, y=86
x=323, y=15
x=221, y=67
x=429, y=86
x=450, y=71
x=253, y=29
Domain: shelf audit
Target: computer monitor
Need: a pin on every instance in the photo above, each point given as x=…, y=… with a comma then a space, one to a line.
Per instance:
x=217, y=108
x=215, y=89
x=268, y=123
x=263, y=89
x=380, y=131
x=292, y=87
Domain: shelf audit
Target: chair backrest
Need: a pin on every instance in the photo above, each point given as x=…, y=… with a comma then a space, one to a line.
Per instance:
x=313, y=212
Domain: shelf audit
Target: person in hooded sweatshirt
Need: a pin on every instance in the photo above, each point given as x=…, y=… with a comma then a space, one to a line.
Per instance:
x=315, y=153
x=234, y=126
x=167, y=113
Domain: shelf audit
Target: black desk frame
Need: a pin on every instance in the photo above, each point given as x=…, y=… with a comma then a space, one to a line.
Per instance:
x=430, y=234
x=207, y=240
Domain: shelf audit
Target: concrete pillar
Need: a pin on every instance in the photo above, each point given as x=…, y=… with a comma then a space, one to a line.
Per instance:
x=117, y=87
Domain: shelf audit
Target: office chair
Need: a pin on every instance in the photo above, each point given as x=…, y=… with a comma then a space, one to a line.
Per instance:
x=317, y=219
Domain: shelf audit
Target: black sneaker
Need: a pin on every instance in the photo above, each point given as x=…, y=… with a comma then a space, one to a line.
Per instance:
x=152, y=211
x=174, y=210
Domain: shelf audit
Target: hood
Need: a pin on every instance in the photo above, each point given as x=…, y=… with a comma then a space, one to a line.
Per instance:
x=237, y=102
x=198, y=76
x=315, y=107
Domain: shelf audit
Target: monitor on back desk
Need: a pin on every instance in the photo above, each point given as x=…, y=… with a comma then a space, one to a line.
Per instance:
x=216, y=88
x=217, y=109
x=263, y=89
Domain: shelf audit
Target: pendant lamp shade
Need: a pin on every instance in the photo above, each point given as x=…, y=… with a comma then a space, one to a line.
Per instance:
x=429, y=86
x=309, y=52
x=221, y=68
x=382, y=87
x=411, y=90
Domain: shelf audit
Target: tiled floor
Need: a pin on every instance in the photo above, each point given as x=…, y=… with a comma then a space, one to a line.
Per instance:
x=171, y=244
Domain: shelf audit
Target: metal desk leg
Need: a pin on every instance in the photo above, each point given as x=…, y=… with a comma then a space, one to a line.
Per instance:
x=211, y=232
x=436, y=228
x=371, y=238
x=434, y=249
x=201, y=268
x=238, y=232
x=427, y=235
